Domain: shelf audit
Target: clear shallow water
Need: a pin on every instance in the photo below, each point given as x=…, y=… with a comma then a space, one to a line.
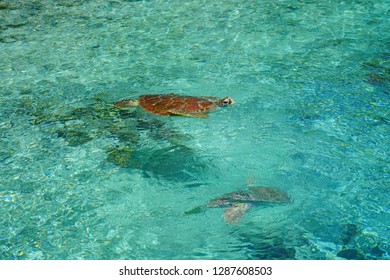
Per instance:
x=81, y=180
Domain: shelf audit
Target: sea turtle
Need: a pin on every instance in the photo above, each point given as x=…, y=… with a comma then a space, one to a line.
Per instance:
x=176, y=105
x=238, y=203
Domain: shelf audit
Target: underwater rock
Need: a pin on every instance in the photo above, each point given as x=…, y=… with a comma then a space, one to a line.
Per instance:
x=378, y=74
x=124, y=134
x=351, y=254
x=377, y=79
x=121, y=156
x=264, y=247
x=177, y=162
x=158, y=130
x=377, y=251
x=4, y=154
x=349, y=231
x=74, y=137
x=69, y=3
x=79, y=125
x=101, y=120
x=274, y=253
x=172, y=163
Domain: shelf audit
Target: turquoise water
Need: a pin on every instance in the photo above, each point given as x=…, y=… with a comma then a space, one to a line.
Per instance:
x=82, y=180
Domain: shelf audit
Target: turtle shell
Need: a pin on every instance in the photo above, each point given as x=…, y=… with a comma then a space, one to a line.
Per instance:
x=253, y=195
x=171, y=104
x=238, y=203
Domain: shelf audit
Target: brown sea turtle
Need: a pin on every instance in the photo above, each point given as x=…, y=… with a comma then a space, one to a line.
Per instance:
x=238, y=203
x=176, y=105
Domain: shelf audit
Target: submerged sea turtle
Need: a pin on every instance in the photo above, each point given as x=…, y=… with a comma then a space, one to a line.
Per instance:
x=238, y=203
x=176, y=105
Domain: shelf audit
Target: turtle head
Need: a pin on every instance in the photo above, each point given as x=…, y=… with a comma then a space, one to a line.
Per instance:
x=226, y=101
x=126, y=103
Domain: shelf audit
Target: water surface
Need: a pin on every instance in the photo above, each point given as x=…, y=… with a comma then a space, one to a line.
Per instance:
x=82, y=180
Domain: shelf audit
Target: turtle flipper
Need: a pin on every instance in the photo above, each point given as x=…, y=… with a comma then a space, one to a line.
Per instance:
x=187, y=114
x=234, y=213
x=195, y=210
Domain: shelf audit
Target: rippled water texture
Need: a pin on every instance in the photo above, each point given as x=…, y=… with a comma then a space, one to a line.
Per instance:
x=81, y=179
